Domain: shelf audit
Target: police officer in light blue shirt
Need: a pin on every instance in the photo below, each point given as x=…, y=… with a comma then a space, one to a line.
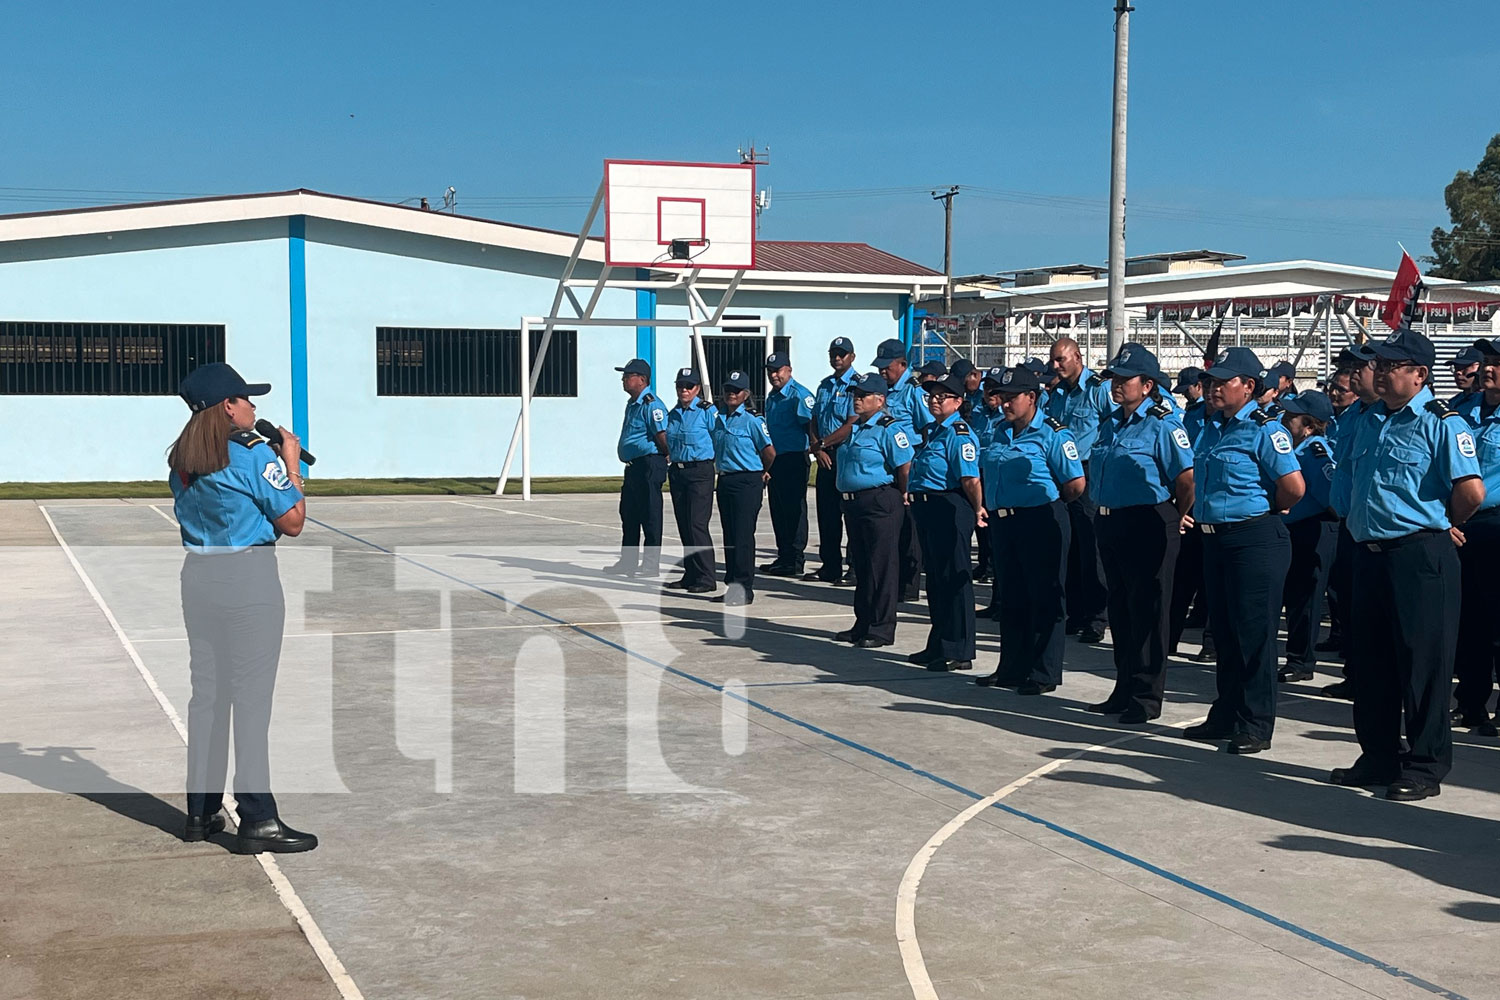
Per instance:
x=1356, y=362
x=974, y=414
x=833, y=411
x=1141, y=477
x=873, y=469
x=1246, y=474
x=947, y=504
x=1194, y=409
x=233, y=497
x=643, y=449
x=789, y=415
x=744, y=454
x=1467, y=378
x=1187, y=577
x=1475, y=661
x=1029, y=467
x=690, y=479
x=1078, y=401
x=1416, y=481
x=1314, y=530
x=905, y=401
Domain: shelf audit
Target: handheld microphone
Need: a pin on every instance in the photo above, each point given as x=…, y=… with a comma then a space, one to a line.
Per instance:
x=268, y=430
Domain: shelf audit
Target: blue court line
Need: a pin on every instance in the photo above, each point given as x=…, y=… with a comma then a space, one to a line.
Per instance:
x=896, y=762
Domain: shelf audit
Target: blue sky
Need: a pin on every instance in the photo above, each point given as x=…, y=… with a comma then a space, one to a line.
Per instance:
x=1274, y=129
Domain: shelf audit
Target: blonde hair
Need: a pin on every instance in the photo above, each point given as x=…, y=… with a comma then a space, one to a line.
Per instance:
x=203, y=445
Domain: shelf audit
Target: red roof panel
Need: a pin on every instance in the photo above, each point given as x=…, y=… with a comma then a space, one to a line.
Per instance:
x=832, y=258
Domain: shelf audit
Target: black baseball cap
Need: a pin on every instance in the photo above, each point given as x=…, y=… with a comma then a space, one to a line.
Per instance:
x=888, y=351
x=1042, y=370
x=636, y=366
x=962, y=369
x=1135, y=359
x=1188, y=376
x=1311, y=402
x=1281, y=369
x=841, y=345
x=1011, y=381
x=737, y=380
x=947, y=383
x=686, y=376
x=777, y=360
x=1233, y=362
x=935, y=368
x=870, y=384
x=1466, y=357
x=211, y=384
x=1407, y=344
x=1354, y=357
x=1487, y=348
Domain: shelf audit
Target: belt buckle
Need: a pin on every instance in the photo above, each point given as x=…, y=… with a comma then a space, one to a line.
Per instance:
x=1373, y=546
x=1004, y=512
x=1104, y=511
x=1208, y=529
x=846, y=496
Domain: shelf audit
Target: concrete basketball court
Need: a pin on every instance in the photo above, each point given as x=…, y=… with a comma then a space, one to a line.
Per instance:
x=532, y=780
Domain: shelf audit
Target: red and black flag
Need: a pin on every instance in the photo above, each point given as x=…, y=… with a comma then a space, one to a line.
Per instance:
x=1406, y=291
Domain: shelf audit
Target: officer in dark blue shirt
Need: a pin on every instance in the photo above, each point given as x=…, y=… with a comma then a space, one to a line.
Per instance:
x=1245, y=474
x=1189, y=606
x=983, y=415
x=1416, y=480
x=963, y=370
x=690, y=478
x=905, y=401
x=1078, y=402
x=833, y=411
x=1282, y=377
x=789, y=415
x=1314, y=529
x=1029, y=468
x=1466, y=378
x=972, y=411
x=1475, y=661
x=874, y=463
x=743, y=453
x=1141, y=476
x=947, y=503
x=643, y=449
x=233, y=496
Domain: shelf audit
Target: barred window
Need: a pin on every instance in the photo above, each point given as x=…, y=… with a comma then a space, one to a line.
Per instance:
x=450, y=362
x=103, y=359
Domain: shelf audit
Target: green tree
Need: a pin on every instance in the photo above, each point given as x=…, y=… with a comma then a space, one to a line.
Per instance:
x=1470, y=251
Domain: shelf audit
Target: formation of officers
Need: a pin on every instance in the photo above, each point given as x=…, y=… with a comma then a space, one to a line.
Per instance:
x=1098, y=500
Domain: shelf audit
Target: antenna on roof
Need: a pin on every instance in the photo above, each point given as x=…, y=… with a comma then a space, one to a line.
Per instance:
x=759, y=158
x=450, y=199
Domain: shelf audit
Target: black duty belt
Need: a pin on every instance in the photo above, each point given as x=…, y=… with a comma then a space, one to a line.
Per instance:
x=1110, y=511
x=931, y=495
x=872, y=489
x=1386, y=544
x=692, y=465
x=1219, y=529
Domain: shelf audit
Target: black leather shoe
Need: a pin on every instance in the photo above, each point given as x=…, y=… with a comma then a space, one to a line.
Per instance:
x=846, y=636
x=202, y=827
x=1091, y=635
x=675, y=585
x=1339, y=689
x=846, y=581
x=1206, y=655
x=1407, y=790
x=1332, y=644
x=868, y=642
x=648, y=571
x=1484, y=729
x=1032, y=687
x=770, y=567
x=782, y=571
x=734, y=600
x=922, y=657
x=999, y=680
x=1135, y=715
x=960, y=664
x=911, y=594
x=702, y=588
x=620, y=568
x=1207, y=732
x=274, y=837
x=1244, y=743
x=818, y=576
x=1290, y=675
x=1107, y=707
x=1358, y=776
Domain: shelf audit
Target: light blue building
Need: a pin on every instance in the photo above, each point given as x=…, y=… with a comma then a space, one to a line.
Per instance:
x=390, y=334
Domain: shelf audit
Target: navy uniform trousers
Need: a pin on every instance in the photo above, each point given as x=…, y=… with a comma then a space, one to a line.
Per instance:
x=1479, y=620
x=1086, y=593
x=787, y=493
x=1341, y=582
x=945, y=525
x=1314, y=542
x=1139, y=548
x=983, y=545
x=874, y=517
x=1035, y=541
x=640, y=510
x=830, y=521
x=910, y=549
x=1187, y=584
x=740, y=496
x=234, y=611
x=692, y=487
x=1405, y=624
x=1244, y=569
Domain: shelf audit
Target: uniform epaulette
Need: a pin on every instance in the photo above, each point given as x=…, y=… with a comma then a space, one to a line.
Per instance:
x=1441, y=409
x=886, y=420
x=704, y=404
x=1159, y=410
x=646, y=397
x=1263, y=417
x=1095, y=381
x=1056, y=425
x=1317, y=450
x=247, y=438
x=961, y=428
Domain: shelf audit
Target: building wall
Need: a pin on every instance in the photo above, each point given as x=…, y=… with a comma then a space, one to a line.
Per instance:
x=237, y=278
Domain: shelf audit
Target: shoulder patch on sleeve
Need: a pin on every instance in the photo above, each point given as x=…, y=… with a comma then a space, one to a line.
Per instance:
x=1180, y=438
x=1070, y=450
x=1466, y=444
x=1159, y=410
x=1282, y=442
x=247, y=438
x=274, y=474
x=1056, y=425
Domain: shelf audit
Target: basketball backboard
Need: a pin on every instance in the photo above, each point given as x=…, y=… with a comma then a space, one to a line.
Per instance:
x=709, y=207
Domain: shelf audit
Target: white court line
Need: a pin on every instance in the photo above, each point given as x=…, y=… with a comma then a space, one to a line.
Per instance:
x=523, y=513
x=164, y=514
x=906, y=893
x=284, y=891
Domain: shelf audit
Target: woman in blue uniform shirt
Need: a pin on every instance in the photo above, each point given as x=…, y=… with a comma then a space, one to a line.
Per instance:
x=1141, y=478
x=1246, y=475
x=233, y=499
x=1314, y=529
x=1031, y=470
x=947, y=505
x=743, y=455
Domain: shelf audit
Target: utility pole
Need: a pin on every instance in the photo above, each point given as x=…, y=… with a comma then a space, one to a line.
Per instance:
x=946, y=198
x=1116, y=337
